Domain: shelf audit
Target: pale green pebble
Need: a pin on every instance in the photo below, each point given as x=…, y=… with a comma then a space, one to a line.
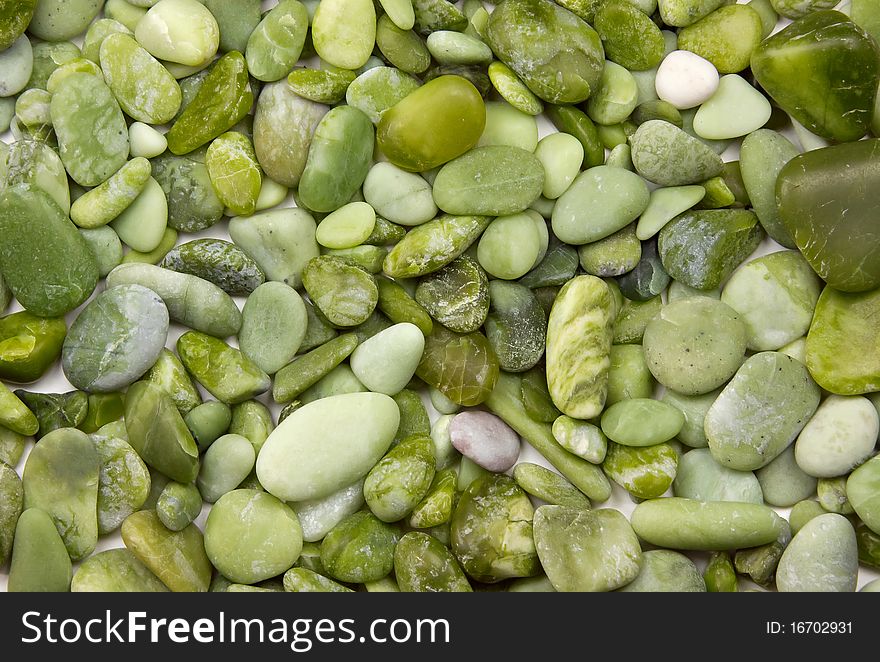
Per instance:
x=840, y=436
x=736, y=109
x=106, y=246
x=694, y=409
x=666, y=571
x=678, y=290
x=225, y=464
x=274, y=321
x=344, y=32
x=271, y=195
x=664, y=205
x=863, y=493
x=115, y=570
x=169, y=239
x=871, y=587
x=449, y=47
x=16, y=65
x=599, y=202
x=445, y=454
x=181, y=71
x=35, y=163
x=616, y=98
x=783, y=482
x=629, y=376
x=378, y=89
x=796, y=349
x=621, y=157
x=276, y=44
x=386, y=362
x=145, y=141
x=822, y=557
x=347, y=227
x=107, y=201
x=511, y=246
x=400, y=12
x=513, y=90
x=319, y=516
x=398, y=196
x=97, y=33
x=581, y=438
x=612, y=136
x=142, y=224
x=7, y=112
x=641, y=422
x=506, y=125
x=208, y=421
x=700, y=477
x=543, y=206
x=537, y=584
x=124, y=12
x=802, y=512
x=775, y=296
x=562, y=155
x=336, y=382
x=181, y=31
x=441, y=403
x=32, y=112
x=478, y=22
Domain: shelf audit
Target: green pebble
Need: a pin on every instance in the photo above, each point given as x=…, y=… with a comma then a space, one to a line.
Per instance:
x=342, y=550
x=226, y=463
x=424, y=564
x=302, y=580
x=581, y=438
x=629, y=37
x=549, y=486
x=402, y=48
x=326, y=445
x=294, y=378
x=783, y=482
x=665, y=571
x=513, y=90
x=52, y=411
x=641, y=422
x=123, y=481
x=275, y=45
x=10, y=508
x=15, y=18
x=769, y=387
x=40, y=561
x=115, y=571
x=343, y=33
x=180, y=31
x=457, y=296
x=436, y=507
x=347, y=227
x=103, y=409
x=319, y=516
x=586, y=550
x=433, y=245
x=694, y=408
x=235, y=21
x=142, y=224
x=273, y=326
x=399, y=196
x=208, y=421
x=666, y=155
x=644, y=472
x=861, y=490
x=12, y=446
x=124, y=12
x=177, y=558
x=378, y=89
x=614, y=255
x=171, y=377
x=217, y=261
x=401, y=479
x=399, y=306
x=433, y=15
x=223, y=370
x=414, y=419
x=719, y=575
x=512, y=245
x=629, y=376
x=701, y=478
x=823, y=556
x=192, y=204
x=386, y=362
x=107, y=201
x=461, y=366
x=344, y=293
x=158, y=433
x=234, y=172
x=178, y=505
x=29, y=345
x=61, y=478
x=515, y=326
x=507, y=126
x=727, y=37
x=686, y=524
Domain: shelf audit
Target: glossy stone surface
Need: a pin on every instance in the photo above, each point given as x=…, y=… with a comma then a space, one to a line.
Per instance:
x=828, y=202
x=840, y=65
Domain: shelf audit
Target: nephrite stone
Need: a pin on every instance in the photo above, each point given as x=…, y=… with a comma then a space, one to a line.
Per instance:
x=843, y=347
x=828, y=200
x=558, y=56
x=44, y=260
x=228, y=374
x=461, y=366
x=29, y=345
x=823, y=70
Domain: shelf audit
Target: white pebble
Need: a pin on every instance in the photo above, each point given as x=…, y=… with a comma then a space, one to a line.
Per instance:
x=686, y=80
x=146, y=141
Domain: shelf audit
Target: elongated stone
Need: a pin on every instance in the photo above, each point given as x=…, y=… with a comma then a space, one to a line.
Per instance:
x=123, y=481
x=666, y=155
x=158, y=433
x=578, y=347
x=823, y=202
x=177, y=558
x=52, y=411
x=10, y=508
x=586, y=550
x=274, y=46
x=843, y=63
x=223, y=370
x=92, y=135
x=223, y=99
x=115, y=339
x=326, y=445
x=218, y=262
x=318, y=516
x=16, y=17
x=61, y=478
x=44, y=260
x=433, y=245
x=701, y=248
x=761, y=411
x=762, y=155
x=821, y=557
x=103, y=203
x=234, y=172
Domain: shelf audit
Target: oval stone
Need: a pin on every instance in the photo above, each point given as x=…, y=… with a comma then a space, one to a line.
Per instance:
x=326, y=445
x=273, y=326
x=386, y=362
x=822, y=557
x=115, y=339
x=251, y=536
x=761, y=411
x=344, y=32
x=485, y=439
x=115, y=571
x=641, y=422
x=701, y=478
x=490, y=181
x=181, y=31
x=863, y=492
x=840, y=436
x=91, y=130
x=666, y=155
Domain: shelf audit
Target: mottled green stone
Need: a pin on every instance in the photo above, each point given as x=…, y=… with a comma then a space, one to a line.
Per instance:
x=11, y=502
x=558, y=56
x=665, y=571
x=217, y=261
x=123, y=481
x=433, y=245
x=53, y=410
x=61, y=478
x=344, y=293
x=234, y=172
x=666, y=155
x=457, y=296
x=841, y=62
x=29, y=345
x=171, y=377
x=223, y=99
x=40, y=561
x=727, y=37
x=645, y=473
x=177, y=558
x=223, y=370
x=275, y=45
x=628, y=35
x=842, y=343
x=461, y=366
x=115, y=571
x=401, y=479
x=192, y=204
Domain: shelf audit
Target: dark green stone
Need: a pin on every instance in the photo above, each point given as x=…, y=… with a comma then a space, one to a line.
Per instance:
x=457, y=296
x=823, y=70
x=218, y=261
x=462, y=367
x=649, y=277
x=828, y=201
x=192, y=203
x=56, y=410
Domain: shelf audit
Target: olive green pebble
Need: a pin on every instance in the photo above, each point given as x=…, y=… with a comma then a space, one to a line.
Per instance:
x=52, y=411
x=294, y=378
x=549, y=486
x=107, y=201
x=401, y=479
x=225, y=464
x=40, y=561
x=178, y=505
x=457, y=296
x=10, y=508
x=423, y=564
x=664, y=570
x=220, y=262
x=223, y=370
x=171, y=377
x=342, y=550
